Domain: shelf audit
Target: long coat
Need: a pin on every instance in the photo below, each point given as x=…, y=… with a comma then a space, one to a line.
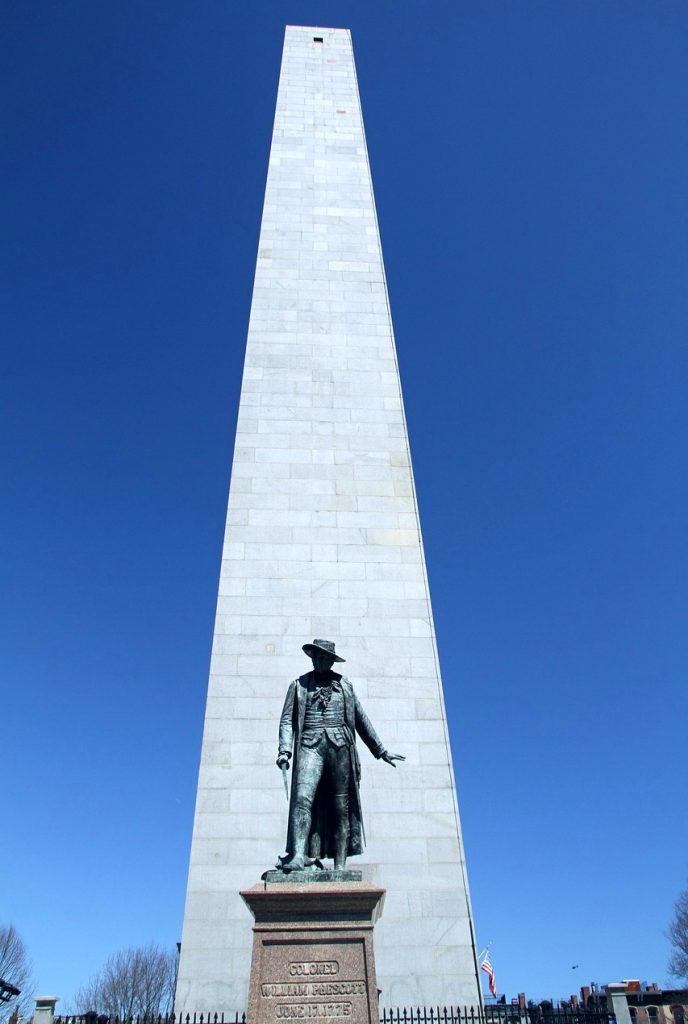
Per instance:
x=321, y=841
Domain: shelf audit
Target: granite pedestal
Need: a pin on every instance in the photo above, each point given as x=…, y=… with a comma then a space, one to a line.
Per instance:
x=313, y=951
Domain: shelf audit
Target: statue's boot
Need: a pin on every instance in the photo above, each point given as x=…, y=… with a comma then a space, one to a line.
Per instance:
x=295, y=863
x=301, y=828
x=341, y=850
x=341, y=836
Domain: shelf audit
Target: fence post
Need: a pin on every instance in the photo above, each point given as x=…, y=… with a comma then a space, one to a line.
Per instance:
x=617, y=1002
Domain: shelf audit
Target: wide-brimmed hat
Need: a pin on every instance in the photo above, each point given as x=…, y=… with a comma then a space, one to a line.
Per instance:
x=322, y=645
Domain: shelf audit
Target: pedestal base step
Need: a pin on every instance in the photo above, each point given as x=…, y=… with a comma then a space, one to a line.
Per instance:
x=312, y=874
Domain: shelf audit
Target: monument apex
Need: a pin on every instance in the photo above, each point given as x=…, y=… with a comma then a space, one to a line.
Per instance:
x=323, y=541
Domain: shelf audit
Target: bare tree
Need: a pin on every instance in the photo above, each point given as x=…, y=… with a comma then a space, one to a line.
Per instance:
x=133, y=983
x=678, y=934
x=15, y=969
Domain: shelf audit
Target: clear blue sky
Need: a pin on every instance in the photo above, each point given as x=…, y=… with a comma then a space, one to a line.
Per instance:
x=530, y=165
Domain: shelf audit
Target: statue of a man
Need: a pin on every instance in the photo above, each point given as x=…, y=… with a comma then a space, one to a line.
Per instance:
x=318, y=727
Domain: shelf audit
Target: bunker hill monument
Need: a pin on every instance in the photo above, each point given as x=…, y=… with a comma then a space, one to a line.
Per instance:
x=323, y=541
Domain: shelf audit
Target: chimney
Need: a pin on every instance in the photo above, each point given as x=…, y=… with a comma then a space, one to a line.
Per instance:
x=45, y=1009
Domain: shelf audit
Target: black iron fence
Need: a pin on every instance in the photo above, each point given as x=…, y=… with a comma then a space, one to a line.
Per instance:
x=497, y=1013
x=170, y=1018
x=494, y=1013
x=548, y=1012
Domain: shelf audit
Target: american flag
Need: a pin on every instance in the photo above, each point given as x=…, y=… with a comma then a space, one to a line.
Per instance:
x=486, y=966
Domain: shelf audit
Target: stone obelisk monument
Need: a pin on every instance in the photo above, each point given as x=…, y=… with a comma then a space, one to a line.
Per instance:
x=323, y=540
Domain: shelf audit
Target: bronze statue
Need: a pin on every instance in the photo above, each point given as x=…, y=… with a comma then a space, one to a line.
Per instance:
x=318, y=727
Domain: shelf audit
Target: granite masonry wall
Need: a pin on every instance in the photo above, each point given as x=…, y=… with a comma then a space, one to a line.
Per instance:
x=323, y=540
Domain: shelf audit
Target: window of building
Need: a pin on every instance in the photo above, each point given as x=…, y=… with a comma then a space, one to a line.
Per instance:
x=678, y=1014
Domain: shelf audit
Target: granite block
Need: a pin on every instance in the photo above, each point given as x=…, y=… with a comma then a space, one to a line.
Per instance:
x=313, y=954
